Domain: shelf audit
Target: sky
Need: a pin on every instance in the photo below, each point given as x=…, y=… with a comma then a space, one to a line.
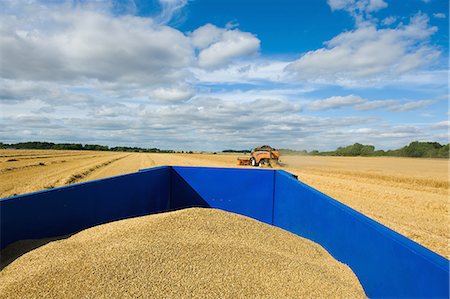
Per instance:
x=225, y=74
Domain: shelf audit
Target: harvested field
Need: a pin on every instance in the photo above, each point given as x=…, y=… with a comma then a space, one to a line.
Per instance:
x=192, y=253
x=408, y=195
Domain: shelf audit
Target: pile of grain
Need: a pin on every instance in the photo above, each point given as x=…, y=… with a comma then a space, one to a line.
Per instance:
x=192, y=253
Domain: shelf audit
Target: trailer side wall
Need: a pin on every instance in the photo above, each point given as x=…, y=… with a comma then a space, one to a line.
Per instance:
x=66, y=210
x=388, y=264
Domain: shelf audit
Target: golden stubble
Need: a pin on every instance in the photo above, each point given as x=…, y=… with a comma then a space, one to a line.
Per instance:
x=410, y=196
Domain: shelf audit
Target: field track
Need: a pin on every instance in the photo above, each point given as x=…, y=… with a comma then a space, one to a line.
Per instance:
x=407, y=195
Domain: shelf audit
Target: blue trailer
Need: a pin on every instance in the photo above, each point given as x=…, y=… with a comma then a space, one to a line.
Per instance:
x=386, y=263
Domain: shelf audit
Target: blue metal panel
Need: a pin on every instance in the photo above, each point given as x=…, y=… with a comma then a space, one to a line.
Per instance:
x=244, y=191
x=69, y=209
x=387, y=263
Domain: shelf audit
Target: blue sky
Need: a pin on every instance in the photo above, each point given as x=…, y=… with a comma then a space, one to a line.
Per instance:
x=211, y=75
x=289, y=27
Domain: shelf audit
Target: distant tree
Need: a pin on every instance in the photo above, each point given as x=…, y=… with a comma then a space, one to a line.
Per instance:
x=356, y=149
x=95, y=147
x=67, y=146
x=379, y=153
x=33, y=145
x=235, y=151
x=420, y=149
x=367, y=150
x=444, y=152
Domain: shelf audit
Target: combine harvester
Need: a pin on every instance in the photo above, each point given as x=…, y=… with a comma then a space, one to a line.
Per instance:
x=260, y=156
x=387, y=264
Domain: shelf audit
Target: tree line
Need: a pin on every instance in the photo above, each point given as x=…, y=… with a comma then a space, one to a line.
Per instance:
x=415, y=149
x=78, y=146
x=236, y=151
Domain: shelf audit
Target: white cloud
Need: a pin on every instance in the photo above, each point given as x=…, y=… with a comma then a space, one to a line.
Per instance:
x=205, y=123
x=360, y=10
x=362, y=104
x=367, y=105
x=434, y=79
x=79, y=73
x=385, y=132
x=394, y=105
x=113, y=110
x=367, y=52
x=218, y=47
x=410, y=105
x=12, y=91
x=21, y=91
x=375, y=5
x=88, y=44
x=206, y=126
x=170, y=9
x=389, y=21
x=205, y=35
x=251, y=71
x=439, y=15
x=172, y=94
x=442, y=125
x=335, y=102
x=285, y=94
x=340, y=4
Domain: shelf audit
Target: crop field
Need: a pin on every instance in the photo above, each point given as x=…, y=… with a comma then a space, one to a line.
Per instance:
x=405, y=194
